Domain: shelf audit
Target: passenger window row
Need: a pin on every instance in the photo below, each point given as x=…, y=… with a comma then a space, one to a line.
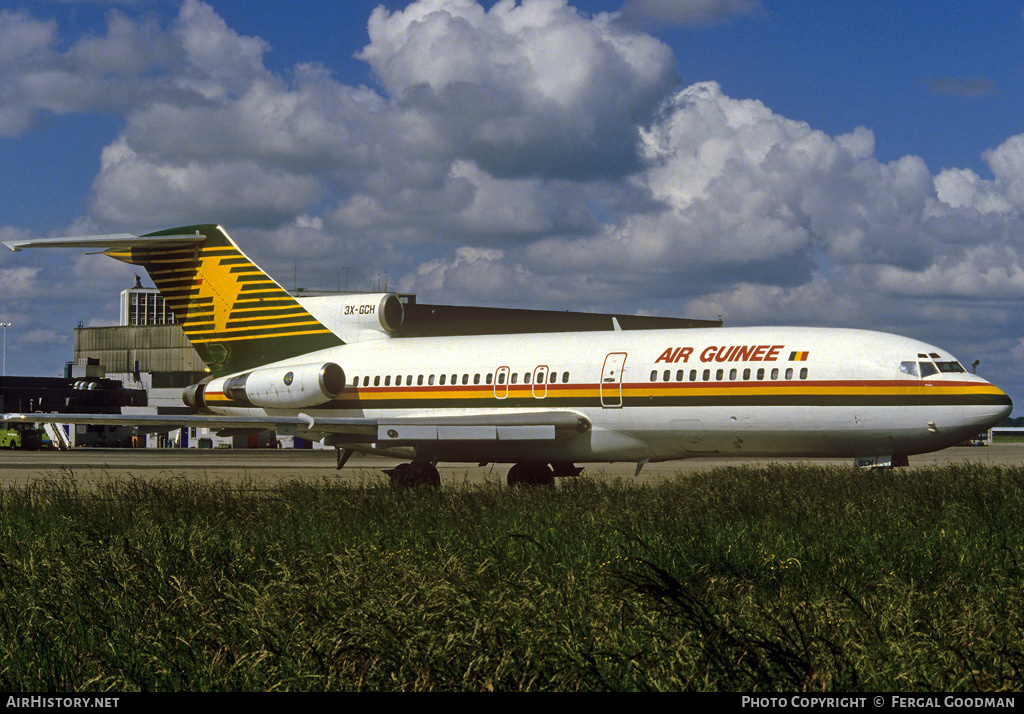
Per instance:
x=443, y=379
x=720, y=375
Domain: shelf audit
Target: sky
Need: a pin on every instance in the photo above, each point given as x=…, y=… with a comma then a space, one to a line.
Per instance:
x=790, y=162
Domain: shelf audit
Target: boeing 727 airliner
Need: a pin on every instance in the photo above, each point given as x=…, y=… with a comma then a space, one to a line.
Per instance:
x=328, y=369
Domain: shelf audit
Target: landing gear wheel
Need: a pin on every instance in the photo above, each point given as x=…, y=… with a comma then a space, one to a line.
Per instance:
x=566, y=468
x=428, y=476
x=414, y=475
x=529, y=473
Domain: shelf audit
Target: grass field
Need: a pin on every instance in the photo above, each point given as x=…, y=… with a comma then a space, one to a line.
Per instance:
x=778, y=578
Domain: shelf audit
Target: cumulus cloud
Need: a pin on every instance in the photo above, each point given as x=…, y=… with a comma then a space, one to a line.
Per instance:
x=130, y=185
x=755, y=196
x=988, y=272
x=109, y=72
x=218, y=61
x=1007, y=164
x=488, y=276
x=19, y=281
x=1003, y=194
x=533, y=87
x=494, y=99
x=23, y=39
x=44, y=337
x=761, y=303
x=962, y=188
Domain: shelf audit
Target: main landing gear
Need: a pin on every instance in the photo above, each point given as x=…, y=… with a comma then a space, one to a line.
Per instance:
x=525, y=473
x=535, y=473
x=530, y=473
x=414, y=475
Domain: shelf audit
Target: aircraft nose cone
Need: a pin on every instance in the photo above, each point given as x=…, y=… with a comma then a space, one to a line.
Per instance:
x=1005, y=412
x=995, y=412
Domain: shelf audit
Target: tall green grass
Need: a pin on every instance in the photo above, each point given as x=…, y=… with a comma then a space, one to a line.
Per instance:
x=777, y=578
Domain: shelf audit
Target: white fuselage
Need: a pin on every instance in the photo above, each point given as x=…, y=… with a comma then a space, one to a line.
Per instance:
x=666, y=394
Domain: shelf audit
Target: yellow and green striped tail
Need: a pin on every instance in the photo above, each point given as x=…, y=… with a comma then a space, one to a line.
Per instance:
x=232, y=312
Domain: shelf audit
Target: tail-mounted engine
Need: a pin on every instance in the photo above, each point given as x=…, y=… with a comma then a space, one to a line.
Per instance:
x=283, y=387
x=354, y=318
x=193, y=396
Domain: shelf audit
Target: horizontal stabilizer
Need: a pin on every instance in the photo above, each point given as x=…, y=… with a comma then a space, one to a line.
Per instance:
x=116, y=240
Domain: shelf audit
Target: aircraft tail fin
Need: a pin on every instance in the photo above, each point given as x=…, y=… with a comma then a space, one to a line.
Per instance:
x=234, y=314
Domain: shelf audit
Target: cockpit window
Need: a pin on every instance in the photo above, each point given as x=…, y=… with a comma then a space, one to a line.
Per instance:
x=928, y=368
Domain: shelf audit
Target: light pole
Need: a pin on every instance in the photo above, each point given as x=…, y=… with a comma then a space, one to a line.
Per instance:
x=5, y=325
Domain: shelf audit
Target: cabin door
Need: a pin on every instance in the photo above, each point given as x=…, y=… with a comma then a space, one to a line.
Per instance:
x=611, y=380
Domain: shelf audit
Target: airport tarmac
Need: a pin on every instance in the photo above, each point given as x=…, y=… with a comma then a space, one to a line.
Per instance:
x=268, y=466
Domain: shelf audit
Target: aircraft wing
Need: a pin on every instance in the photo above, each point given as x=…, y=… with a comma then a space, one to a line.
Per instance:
x=392, y=431
x=529, y=426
